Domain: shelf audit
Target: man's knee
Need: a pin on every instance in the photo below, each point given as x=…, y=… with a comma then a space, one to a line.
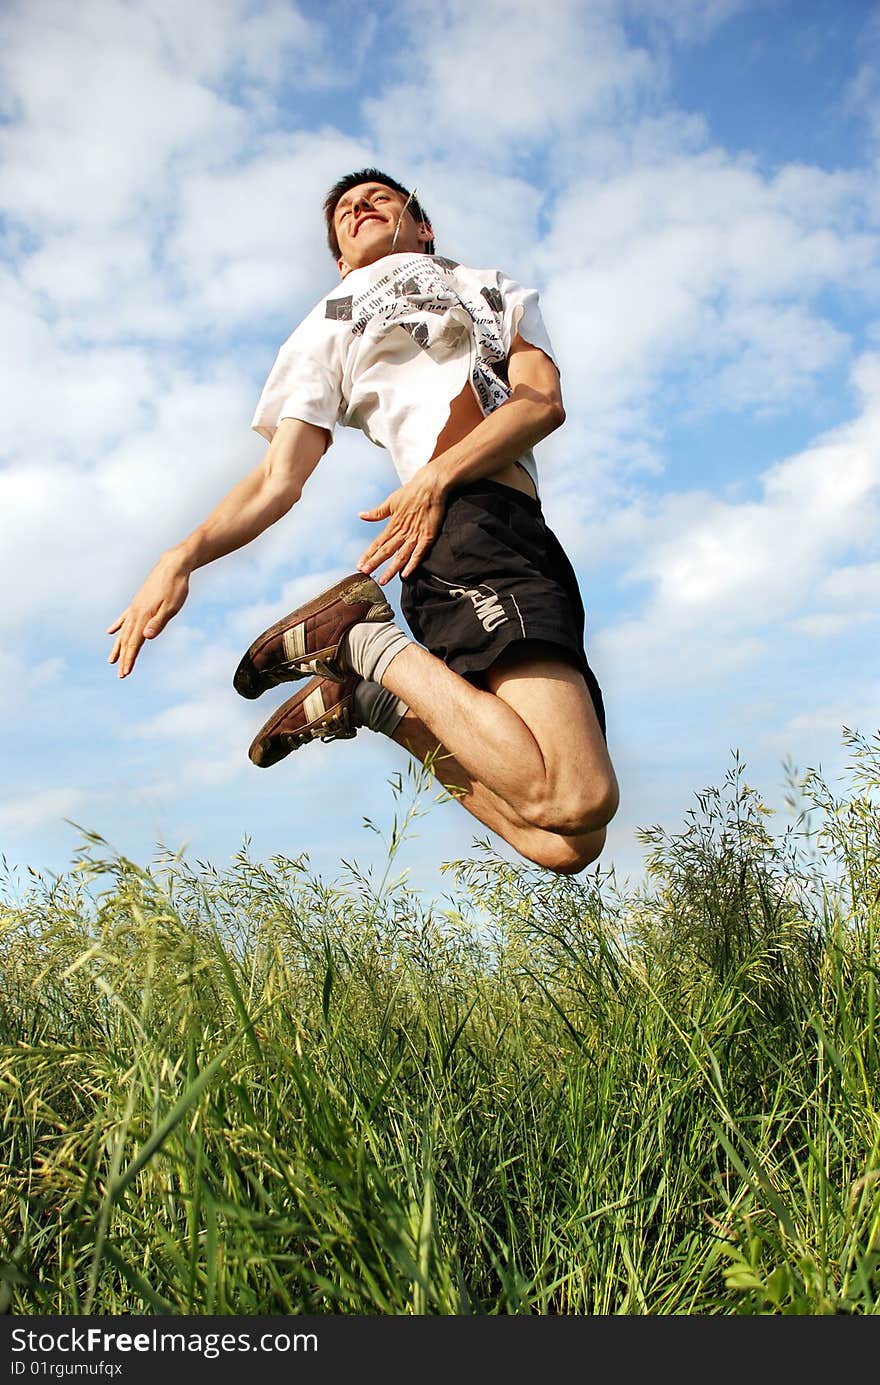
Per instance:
x=578, y=809
x=568, y=855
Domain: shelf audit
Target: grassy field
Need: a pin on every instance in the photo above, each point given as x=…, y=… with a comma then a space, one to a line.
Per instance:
x=249, y=1091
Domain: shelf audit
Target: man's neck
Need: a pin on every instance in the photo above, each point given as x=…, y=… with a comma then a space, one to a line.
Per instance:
x=380, y=259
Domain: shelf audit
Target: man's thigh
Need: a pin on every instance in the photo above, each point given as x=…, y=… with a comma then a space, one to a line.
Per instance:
x=550, y=695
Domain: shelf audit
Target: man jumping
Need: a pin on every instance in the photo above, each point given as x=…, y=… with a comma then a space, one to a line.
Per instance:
x=451, y=369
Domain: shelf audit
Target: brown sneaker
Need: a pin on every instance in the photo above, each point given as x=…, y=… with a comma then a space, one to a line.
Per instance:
x=307, y=641
x=321, y=711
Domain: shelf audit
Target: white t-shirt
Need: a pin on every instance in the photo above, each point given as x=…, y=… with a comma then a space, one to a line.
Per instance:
x=391, y=347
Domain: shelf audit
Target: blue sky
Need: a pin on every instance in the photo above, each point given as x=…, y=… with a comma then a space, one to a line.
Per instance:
x=692, y=185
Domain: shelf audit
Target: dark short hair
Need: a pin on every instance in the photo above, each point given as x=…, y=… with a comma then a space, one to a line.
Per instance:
x=352, y=180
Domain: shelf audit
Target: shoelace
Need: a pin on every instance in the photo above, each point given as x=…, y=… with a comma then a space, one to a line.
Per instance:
x=338, y=726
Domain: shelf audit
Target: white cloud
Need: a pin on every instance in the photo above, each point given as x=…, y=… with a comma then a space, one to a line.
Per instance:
x=863, y=90
x=273, y=39
x=185, y=207
x=200, y=721
x=490, y=78
x=109, y=99
x=79, y=539
x=684, y=287
x=59, y=401
x=699, y=256
x=20, y=679
x=99, y=112
x=770, y=354
x=688, y=21
x=207, y=769
x=719, y=575
x=824, y=724
x=855, y=584
x=249, y=240
x=28, y=812
x=826, y=626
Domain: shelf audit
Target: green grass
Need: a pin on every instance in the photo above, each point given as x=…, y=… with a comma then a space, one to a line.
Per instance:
x=249, y=1091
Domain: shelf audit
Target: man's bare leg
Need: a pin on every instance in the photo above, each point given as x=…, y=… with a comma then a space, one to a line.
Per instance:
x=566, y=855
x=529, y=747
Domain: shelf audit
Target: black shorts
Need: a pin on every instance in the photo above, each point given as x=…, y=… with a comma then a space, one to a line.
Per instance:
x=496, y=576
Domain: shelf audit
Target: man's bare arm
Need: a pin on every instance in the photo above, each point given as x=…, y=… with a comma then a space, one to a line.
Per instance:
x=415, y=511
x=257, y=501
x=533, y=411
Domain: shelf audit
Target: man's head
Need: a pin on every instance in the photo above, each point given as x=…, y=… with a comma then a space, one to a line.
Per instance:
x=367, y=213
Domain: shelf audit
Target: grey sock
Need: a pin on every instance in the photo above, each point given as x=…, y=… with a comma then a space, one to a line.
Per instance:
x=368, y=649
x=377, y=708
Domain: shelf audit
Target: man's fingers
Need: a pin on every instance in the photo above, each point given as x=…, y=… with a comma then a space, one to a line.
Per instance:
x=160, y=598
x=384, y=550
x=129, y=641
x=408, y=548
x=391, y=571
x=416, y=557
x=125, y=657
x=379, y=556
x=423, y=545
x=378, y=550
x=401, y=559
x=380, y=512
x=129, y=655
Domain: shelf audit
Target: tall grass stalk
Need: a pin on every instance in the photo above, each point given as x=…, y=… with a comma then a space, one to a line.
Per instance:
x=250, y=1091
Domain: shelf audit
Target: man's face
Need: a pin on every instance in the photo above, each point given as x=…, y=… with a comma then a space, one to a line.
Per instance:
x=366, y=219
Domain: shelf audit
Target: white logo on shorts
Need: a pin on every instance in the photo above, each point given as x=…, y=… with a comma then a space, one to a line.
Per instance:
x=490, y=613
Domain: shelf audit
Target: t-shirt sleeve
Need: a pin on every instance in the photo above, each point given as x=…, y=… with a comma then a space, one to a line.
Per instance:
x=304, y=382
x=522, y=314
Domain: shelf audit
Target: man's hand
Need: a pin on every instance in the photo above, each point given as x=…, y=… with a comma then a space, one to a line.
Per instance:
x=160, y=598
x=467, y=450
x=255, y=502
x=414, y=513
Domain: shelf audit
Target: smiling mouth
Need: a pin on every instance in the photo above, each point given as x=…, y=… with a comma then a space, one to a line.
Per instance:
x=364, y=221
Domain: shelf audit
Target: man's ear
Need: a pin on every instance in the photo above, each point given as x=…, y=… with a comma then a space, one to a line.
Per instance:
x=426, y=235
x=342, y=267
